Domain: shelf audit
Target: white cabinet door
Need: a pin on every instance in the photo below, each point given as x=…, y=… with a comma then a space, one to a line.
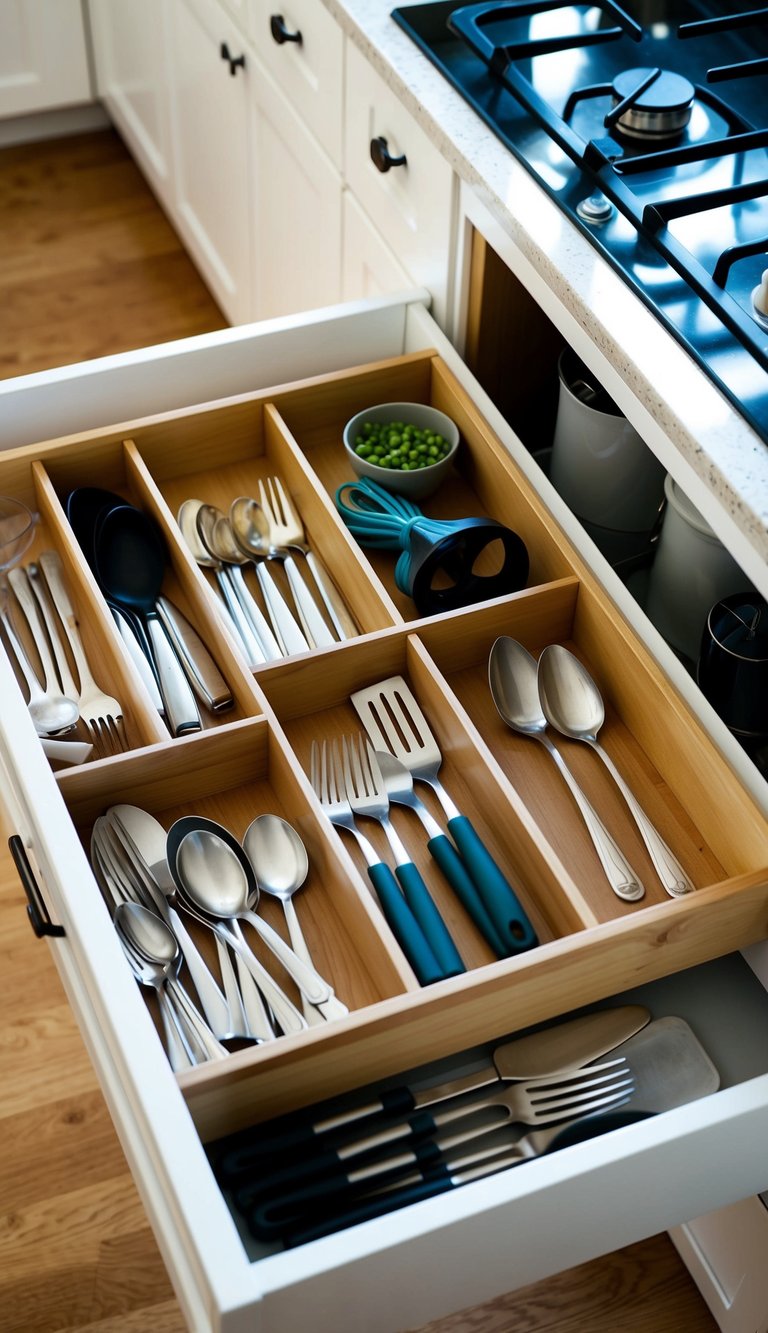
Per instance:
x=400, y=179
x=369, y=267
x=209, y=126
x=130, y=53
x=302, y=46
x=296, y=201
x=43, y=62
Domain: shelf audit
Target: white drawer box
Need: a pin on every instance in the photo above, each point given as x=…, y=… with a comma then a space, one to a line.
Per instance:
x=522, y=1224
x=303, y=49
x=412, y=204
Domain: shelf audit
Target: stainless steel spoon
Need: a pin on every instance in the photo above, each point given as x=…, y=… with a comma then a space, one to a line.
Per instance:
x=252, y=531
x=512, y=675
x=141, y=839
x=152, y=974
x=216, y=879
x=216, y=886
x=216, y=532
x=572, y=703
x=280, y=864
x=51, y=712
x=232, y=611
x=156, y=942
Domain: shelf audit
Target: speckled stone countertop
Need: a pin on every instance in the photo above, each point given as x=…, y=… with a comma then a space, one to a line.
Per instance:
x=712, y=452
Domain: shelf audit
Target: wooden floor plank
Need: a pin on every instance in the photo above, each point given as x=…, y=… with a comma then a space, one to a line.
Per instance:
x=89, y=265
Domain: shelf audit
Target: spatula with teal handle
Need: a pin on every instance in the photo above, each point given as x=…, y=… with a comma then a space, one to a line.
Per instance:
x=394, y=722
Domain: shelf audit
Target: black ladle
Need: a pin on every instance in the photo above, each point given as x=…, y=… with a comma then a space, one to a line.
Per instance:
x=130, y=561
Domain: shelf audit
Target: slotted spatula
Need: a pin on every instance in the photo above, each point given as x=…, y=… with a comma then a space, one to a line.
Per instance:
x=395, y=722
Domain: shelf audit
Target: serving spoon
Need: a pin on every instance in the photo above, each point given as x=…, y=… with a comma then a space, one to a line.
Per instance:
x=512, y=675
x=572, y=703
x=280, y=863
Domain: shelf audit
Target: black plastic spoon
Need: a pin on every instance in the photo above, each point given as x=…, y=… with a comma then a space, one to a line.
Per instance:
x=130, y=561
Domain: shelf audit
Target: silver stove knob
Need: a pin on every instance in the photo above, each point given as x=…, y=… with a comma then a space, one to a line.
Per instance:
x=760, y=300
x=595, y=209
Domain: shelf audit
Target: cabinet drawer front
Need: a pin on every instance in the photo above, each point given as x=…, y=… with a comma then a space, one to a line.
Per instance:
x=412, y=204
x=310, y=71
x=519, y=1225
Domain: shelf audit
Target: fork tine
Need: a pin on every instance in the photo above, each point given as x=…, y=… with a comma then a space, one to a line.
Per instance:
x=264, y=502
x=277, y=509
x=353, y=775
x=338, y=789
x=289, y=514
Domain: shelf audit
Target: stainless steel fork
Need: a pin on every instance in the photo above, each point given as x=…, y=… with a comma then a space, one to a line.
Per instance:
x=100, y=713
x=541, y=1101
x=327, y=778
x=367, y=796
x=288, y=530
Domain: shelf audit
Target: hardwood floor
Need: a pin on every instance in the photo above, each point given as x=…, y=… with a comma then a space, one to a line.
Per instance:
x=89, y=266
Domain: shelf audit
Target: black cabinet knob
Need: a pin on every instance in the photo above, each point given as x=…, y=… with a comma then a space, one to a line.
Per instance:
x=382, y=158
x=280, y=32
x=235, y=62
x=36, y=909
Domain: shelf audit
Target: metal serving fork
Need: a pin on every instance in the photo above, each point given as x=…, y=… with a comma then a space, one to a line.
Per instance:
x=287, y=529
x=327, y=778
x=367, y=796
x=541, y=1101
x=101, y=714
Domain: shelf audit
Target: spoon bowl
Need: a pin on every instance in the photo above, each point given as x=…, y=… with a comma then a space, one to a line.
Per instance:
x=570, y=699
x=250, y=526
x=512, y=679
x=277, y=854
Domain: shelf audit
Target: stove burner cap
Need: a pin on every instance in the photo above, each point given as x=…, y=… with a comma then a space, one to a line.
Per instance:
x=661, y=110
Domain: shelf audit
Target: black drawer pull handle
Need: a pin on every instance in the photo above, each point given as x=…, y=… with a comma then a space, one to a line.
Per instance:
x=235, y=62
x=36, y=908
x=382, y=158
x=280, y=32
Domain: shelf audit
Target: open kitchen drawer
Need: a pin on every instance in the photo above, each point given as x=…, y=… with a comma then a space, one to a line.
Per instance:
x=679, y=956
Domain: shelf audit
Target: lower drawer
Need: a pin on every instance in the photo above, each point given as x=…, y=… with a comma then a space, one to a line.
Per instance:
x=677, y=957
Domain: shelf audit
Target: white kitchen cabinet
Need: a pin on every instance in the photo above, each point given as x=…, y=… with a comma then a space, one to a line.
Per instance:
x=209, y=128
x=295, y=209
x=521, y=1225
x=130, y=40
x=369, y=266
x=302, y=46
x=43, y=56
x=400, y=180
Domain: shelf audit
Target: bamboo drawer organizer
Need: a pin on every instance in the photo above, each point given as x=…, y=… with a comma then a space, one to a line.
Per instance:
x=256, y=757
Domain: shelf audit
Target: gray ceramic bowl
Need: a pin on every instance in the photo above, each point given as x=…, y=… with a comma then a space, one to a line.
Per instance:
x=415, y=485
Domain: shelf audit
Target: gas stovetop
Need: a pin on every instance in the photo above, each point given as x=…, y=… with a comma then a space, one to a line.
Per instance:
x=648, y=124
